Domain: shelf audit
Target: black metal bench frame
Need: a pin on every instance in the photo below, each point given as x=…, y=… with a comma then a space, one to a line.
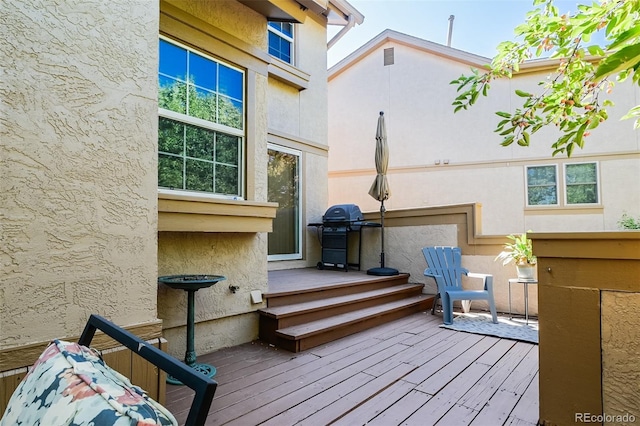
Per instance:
x=203, y=386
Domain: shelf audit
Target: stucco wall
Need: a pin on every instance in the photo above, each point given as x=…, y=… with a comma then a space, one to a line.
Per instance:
x=278, y=113
x=403, y=251
x=77, y=166
x=316, y=202
x=229, y=16
x=423, y=130
x=223, y=318
x=621, y=354
x=403, y=248
x=220, y=313
x=312, y=59
x=501, y=275
x=301, y=117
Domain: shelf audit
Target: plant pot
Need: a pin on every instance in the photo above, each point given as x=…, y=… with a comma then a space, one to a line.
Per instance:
x=526, y=272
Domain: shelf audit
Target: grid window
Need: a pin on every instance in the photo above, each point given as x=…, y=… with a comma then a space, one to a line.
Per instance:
x=581, y=180
x=542, y=185
x=281, y=40
x=201, y=122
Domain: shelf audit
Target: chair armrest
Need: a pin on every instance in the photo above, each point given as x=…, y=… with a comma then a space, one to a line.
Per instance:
x=440, y=283
x=428, y=273
x=487, y=280
x=203, y=386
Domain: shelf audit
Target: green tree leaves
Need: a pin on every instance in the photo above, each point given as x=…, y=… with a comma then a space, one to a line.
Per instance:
x=573, y=97
x=626, y=58
x=471, y=87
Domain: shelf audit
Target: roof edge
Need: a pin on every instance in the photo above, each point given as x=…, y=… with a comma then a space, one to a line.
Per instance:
x=348, y=10
x=389, y=35
x=441, y=50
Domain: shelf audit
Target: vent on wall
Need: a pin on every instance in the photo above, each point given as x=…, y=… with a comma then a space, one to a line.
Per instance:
x=388, y=56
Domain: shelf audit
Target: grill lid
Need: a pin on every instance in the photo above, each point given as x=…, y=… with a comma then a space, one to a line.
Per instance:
x=343, y=213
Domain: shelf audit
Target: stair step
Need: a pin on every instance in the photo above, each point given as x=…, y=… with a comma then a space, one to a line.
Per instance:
x=304, y=331
x=359, y=284
x=309, y=308
x=285, y=311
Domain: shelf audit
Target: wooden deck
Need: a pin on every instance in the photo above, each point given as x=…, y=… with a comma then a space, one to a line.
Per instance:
x=310, y=278
x=409, y=371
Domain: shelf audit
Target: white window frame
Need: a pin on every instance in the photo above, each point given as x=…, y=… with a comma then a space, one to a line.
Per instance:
x=566, y=186
x=297, y=153
x=198, y=122
x=290, y=39
x=526, y=185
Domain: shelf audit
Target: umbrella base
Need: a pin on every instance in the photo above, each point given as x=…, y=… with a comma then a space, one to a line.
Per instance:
x=382, y=271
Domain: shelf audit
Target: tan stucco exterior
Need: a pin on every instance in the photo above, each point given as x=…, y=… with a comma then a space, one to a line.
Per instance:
x=440, y=158
x=78, y=173
x=407, y=231
x=84, y=227
x=620, y=349
x=288, y=107
x=241, y=257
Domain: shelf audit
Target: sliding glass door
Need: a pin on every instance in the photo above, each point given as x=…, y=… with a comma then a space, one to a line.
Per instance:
x=284, y=188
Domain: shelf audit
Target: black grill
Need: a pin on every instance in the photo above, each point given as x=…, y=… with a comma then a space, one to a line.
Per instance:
x=343, y=215
x=337, y=223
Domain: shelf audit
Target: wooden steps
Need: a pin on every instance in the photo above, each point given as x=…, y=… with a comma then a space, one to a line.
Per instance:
x=306, y=317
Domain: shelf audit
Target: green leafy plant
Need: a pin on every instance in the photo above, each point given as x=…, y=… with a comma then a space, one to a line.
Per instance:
x=519, y=250
x=573, y=96
x=629, y=222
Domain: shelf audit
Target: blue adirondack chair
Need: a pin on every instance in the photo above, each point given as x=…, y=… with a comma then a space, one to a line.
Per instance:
x=445, y=266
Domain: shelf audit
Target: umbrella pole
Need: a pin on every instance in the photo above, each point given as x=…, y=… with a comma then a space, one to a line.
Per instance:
x=382, y=270
x=382, y=210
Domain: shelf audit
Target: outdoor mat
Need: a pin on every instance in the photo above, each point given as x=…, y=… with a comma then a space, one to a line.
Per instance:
x=480, y=323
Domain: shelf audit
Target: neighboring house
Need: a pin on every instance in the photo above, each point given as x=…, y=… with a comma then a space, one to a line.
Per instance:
x=144, y=138
x=441, y=158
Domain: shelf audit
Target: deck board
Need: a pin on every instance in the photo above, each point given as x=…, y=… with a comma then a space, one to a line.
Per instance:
x=363, y=413
x=480, y=393
x=343, y=405
x=498, y=409
x=441, y=402
x=528, y=407
x=255, y=397
x=320, y=400
x=408, y=371
x=444, y=376
x=457, y=415
x=401, y=409
x=295, y=280
x=313, y=327
x=326, y=378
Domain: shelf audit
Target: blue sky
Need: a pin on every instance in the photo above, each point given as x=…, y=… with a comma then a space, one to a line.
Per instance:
x=478, y=27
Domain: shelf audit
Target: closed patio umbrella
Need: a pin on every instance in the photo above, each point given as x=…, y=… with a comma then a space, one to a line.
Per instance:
x=380, y=189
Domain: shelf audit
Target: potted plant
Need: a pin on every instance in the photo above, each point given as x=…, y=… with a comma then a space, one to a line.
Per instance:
x=520, y=251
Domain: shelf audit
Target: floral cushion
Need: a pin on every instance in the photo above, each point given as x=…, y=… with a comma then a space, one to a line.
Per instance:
x=71, y=385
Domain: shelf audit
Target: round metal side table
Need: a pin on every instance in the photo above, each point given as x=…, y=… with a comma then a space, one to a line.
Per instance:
x=526, y=283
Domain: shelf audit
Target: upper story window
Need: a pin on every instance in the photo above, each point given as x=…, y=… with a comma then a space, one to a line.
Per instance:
x=281, y=40
x=201, y=122
x=581, y=180
x=580, y=184
x=542, y=186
